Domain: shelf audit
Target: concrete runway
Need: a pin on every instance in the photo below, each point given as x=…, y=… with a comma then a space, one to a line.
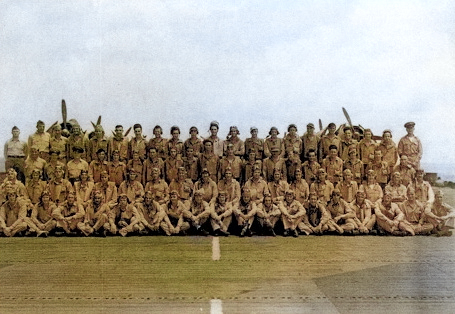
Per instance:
x=325, y=274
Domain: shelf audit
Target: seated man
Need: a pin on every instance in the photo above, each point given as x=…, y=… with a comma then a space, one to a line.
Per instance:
x=322, y=187
x=221, y=215
x=348, y=187
x=440, y=215
x=175, y=210
x=153, y=215
x=373, y=191
x=364, y=216
x=42, y=213
x=198, y=213
x=183, y=185
x=59, y=187
x=257, y=186
x=13, y=216
x=390, y=218
x=342, y=216
x=245, y=213
x=268, y=214
x=126, y=217
x=396, y=189
x=316, y=215
x=69, y=214
x=414, y=214
x=107, y=188
x=158, y=187
x=278, y=186
x=132, y=187
x=292, y=215
x=231, y=187
x=95, y=214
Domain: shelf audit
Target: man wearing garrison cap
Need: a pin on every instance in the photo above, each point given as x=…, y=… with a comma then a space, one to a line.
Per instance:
x=411, y=146
x=255, y=143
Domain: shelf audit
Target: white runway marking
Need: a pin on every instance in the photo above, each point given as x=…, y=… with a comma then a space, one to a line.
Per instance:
x=216, y=253
x=216, y=305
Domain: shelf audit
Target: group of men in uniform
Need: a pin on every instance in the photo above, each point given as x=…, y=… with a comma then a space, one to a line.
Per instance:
x=334, y=181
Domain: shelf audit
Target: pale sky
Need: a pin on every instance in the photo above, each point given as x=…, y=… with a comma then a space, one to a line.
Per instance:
x=244, y=63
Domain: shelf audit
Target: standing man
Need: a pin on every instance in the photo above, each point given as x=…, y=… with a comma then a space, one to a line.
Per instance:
x=218, y=143
x=310, y=141
x=329, y=140
x=15, y=152
x=410, y=146
x=118, y=143
x=41, y=139
x=254, y=143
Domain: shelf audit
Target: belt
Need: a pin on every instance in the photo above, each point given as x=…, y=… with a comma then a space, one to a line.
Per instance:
x=16, y=156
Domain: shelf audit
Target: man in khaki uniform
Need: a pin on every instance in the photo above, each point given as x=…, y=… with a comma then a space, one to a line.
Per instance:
x=15, y=152
x=158, y=187
x=198, y=213
x=42, y=213
x=95, y=214
x=209, y=160
x=322, y=187
x=273, y=162
x=348, y=144
x=254, y=143
x=79, y=140
x=75, y=166
x=332, y=164
x=311, y=167
x=390, y=217
x=41, y=140
x=411, y=146
x=158, y=142
x=58, y=143
x=230, y=187
x=107, y=189
x=293, y=216
x=175, y=211
x=347, y=186
x=406, y=170
x=59, y=187
x=341, y=215
x=154, y=215
x=69, y=214
x=389, y=149
x=317, y=217
x=193, y=141
x=310, y=141
x=118, y=143
x=397, y=189
x=245, y=213
x=97, y=142
x=272, y=141
x=34, y=162
x=367, y=147
x=237, y=143
x=257, y=186
x=153, y=161
x=231, y=161
x=327, y=140
x=13, y=216
x=441, y=216
x=364, y=215
x=221, y=215
x=380, y=167
x=292, y=141
x=268, y=215
x=183, y=186
x=414, y=214
x=137, y=143
x=217, y=143
x=424, y=191
x=355, y=165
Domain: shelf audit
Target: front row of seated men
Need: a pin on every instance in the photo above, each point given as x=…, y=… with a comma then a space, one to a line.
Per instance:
x=249, y=215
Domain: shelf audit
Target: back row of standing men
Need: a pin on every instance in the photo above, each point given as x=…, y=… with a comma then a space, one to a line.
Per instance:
x=118, y=154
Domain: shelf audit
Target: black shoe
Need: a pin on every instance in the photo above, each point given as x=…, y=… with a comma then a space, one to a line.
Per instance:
x=295, y=234
x=222, y=233
x=286, y=233
x=203, y=232
x=244, y=231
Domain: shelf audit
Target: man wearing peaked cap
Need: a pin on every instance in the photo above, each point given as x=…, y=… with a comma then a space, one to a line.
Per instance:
x=410, y=146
